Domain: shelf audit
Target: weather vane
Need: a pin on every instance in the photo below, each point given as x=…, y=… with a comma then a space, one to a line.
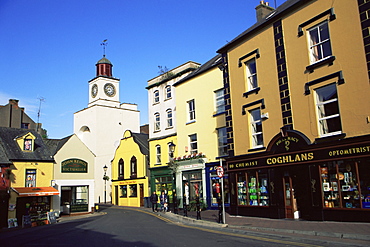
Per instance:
x=104, y=44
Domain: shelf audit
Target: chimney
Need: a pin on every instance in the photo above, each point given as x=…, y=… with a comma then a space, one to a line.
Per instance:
x=14, y=102
x=263, y=10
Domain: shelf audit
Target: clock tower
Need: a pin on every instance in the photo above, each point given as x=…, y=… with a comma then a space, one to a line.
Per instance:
x=104, y=88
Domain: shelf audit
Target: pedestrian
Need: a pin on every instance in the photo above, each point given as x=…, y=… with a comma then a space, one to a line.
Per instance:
x=163, y=200
x=154, y=200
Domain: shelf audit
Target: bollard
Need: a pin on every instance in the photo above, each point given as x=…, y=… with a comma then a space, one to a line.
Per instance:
x=96, y=208
x=198, y=208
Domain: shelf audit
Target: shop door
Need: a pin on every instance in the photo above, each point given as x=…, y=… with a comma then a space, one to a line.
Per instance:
x=290, y=202
x=141, y=195
x=116, y=195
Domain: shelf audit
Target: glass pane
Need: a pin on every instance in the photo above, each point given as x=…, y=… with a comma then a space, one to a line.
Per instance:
x=242, y=190
x=349, y=185
x=364, y=173
x=314, y=37
x=324, y=32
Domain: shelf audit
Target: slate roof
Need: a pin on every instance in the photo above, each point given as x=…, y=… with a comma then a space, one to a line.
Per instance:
x=10, y=151
x=215, y=61
x=277, y=13
x=142, y=140
x=55, y=145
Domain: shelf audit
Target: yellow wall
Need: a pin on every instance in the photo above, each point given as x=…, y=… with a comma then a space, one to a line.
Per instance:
x=201, y=89
x=126, y=150
x=348, y=49
x=164, y=151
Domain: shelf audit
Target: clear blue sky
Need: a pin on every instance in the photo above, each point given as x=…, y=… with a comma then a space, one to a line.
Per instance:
x=49, y=48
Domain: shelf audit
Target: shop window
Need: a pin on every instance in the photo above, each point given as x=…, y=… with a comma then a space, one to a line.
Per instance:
x=216, y=189
x=164, y=184
x=341, y=187
x=30, y=177
x=133, y=190
x=253, y=189
x=123, y=189
x=133, y=167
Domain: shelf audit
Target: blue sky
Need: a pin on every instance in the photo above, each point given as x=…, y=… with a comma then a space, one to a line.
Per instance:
x=49, y=48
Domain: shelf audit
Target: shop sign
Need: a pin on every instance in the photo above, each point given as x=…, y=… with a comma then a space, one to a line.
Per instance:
x=301, y=157
x=79, y=208
x=129, y=182
x=74, y=166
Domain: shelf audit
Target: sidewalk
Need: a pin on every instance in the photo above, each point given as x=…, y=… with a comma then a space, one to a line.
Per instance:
x=343, y=230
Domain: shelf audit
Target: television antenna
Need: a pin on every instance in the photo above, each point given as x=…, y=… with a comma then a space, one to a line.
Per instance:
x=41, y=99
x=104, y=44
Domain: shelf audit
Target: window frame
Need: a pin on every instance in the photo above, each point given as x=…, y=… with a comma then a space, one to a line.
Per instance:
x=157, y=122
x=219, y=101
x=254, y=134
x=30, y=177
x=169, y=115
x=133, y=167
x=191, y=110
x=156, y=97
x=158, y=153
x=121, y=168
x=321, y=50
x=168, y=92
x=319, y=103
x=251, y=74
x=222, y=141
x=193, y=144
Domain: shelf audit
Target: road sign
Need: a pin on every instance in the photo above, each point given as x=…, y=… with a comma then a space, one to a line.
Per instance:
x=220, y=171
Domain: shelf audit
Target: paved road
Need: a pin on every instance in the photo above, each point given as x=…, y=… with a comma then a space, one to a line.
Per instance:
x=129, y=227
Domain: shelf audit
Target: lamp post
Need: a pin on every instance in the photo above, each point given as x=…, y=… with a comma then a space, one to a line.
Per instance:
x=105, y=183
x=171, y=147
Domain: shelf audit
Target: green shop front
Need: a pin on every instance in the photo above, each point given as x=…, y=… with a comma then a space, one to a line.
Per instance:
x=293, y=178
x=162, y=180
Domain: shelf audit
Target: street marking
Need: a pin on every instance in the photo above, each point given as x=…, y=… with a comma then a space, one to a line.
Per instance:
x=225, y=233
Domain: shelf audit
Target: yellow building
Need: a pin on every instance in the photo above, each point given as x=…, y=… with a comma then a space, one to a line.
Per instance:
x=31, y=175
x=297, y=93
x=201, y=133
x=130, y=166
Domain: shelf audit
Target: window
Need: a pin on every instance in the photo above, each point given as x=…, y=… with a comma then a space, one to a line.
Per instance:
x=169, y=118
x=157, y=122
x=170, y=153
x=319, y=41
x=158, y=152
x=328, y=110
x=156, y=96
x=253, y=188
x=256, y=128
x=120, y=168
x=168, y=92
x=222, y=141
x=193, y=144
x=191, y=106
x=251, y=73
x=133, y=163
x=123, y=189
x=27, y=145
x=30, y=177
x=220, y=102
x=133, y=190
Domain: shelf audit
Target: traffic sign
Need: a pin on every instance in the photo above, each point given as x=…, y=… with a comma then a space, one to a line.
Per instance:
x=220, y=171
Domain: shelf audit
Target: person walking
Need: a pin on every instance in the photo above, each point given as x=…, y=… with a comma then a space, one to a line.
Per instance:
x=154, y=200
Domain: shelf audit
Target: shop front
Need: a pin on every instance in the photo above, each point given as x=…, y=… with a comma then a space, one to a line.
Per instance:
x=296, y=179
x=33, y=204
x=74, y=199
x=130, y=192
x=162, y=180
x=214, y=189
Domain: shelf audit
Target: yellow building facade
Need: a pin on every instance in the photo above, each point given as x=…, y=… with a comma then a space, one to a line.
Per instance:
x=297, y=87
x=130, y=182
x=201, y=136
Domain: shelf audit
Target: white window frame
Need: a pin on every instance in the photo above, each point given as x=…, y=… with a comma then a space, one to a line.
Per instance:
x=157, y=122
x=158, y=154
x=222, y=141
x=256, y=134
x=193, y=143
x=156, y=97
x=168, y=92
x=219, y=101
x=322, y=119
x=191, y=110
x=251, y=76
x=169, y=118
x=317, y=50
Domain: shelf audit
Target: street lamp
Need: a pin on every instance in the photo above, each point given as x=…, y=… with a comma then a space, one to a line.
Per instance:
x=171, y=147
x=105, y=183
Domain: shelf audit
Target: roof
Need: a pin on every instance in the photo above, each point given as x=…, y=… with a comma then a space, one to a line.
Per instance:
x=215, y=61
x=104, y=60
x=12, y=152
x=282, y=9
x=55, y=145
x=142, y=140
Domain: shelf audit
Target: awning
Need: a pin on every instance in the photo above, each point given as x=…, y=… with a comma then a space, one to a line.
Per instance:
x=36, y=191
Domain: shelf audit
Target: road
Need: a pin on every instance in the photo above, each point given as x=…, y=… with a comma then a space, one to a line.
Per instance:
x=129, y=227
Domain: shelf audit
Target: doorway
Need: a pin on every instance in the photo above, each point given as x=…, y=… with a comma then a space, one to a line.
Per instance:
x=116, y=195
x=141, y=186
x=291, y=209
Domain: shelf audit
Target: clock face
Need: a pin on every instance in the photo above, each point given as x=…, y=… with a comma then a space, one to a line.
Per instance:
x=109, y=89
x=94, y=90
